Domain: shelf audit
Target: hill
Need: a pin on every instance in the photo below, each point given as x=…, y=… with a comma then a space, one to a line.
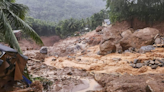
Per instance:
x=56, y=10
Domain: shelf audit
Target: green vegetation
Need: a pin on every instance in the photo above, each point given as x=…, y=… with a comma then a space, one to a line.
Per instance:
x=144, y=10
x=67, y=27
x=57, y=10
x=11, y=17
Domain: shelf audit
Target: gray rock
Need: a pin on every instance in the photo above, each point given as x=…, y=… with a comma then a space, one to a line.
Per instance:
x=161, y=64
x=133, y=65
x=139, y=65
x=43, y=50
x=147, y=48
x=135, y=61
x=161, y=61
x=156, y=62
x=152, y=62
x=126, y=51
x=42, y=66
x=54, y=59
x=154, y=66
x=146, y=62
x=116, y=59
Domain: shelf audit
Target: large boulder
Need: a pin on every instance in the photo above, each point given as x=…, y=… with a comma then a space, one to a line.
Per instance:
x=107, y=46
x=126, y=33
x=139, y=38
x=110, y=38
x=43, y=50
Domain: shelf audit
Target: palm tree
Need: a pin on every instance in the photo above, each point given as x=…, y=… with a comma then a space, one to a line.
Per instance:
x=12, y=15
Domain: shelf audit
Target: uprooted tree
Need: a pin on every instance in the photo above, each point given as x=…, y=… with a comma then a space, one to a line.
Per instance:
x=144, y=10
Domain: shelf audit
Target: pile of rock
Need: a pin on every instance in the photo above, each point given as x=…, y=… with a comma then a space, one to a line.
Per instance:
x=114, y=39
x=152, y=63
x=143, y=49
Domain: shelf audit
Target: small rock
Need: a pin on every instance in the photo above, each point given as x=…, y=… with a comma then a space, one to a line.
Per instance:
x=156, y=62
x=116, y=59
x=160, y=64
x=69, y=57
x=147, y=48
x=54, y=59
x=135, y=61
x=69, y=73
x=161, y=61
x=126, y=51
x=139, y=65
x=78, y=60
x=146, y=62
x=42, y=66
x=56, y=56
x=152, y=62
x=88, y=51
x=133, y=65
x=154, y=66
x=47, y=76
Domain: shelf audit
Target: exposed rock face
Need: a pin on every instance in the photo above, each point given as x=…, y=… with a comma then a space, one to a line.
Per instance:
x=43, y=50
x=139, y=38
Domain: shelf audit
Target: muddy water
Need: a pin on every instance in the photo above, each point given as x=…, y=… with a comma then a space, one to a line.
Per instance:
x=65, y=79
x=88, y=84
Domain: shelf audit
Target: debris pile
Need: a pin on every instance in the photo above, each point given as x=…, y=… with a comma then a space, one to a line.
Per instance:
x=152, y=63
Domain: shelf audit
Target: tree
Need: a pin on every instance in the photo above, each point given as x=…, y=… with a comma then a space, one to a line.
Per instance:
x=144, y=10
x=12, y=15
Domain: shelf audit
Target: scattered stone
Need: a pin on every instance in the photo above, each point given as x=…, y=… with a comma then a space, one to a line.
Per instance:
x=156, y=62
x=116, y=59
x=146, y=62
x=161, y=61
x=88, y=51
x=139, y=65
x=69, y=73
x=78, y=60
x=133, y=65
x=56, y=56
x=154, y=66
x=54, y=59
x=152, y=62
x=147, y=48
x=136, y=61
x=126, y=51
x=43, y=50
x=161, y=64
x=42, y=66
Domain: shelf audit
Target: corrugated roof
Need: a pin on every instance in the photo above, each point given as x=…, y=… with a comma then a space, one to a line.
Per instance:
x=7, y=49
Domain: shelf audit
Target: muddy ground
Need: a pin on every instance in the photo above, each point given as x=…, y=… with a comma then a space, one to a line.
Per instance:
x=85, y=71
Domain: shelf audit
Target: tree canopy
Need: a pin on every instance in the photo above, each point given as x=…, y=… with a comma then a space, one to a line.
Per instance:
x=144, y=10
x=11, y=15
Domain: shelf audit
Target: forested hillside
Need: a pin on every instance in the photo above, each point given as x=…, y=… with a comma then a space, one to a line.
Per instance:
x=56, y=10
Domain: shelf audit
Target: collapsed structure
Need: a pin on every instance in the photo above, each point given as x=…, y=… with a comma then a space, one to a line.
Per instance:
x=12, y=65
